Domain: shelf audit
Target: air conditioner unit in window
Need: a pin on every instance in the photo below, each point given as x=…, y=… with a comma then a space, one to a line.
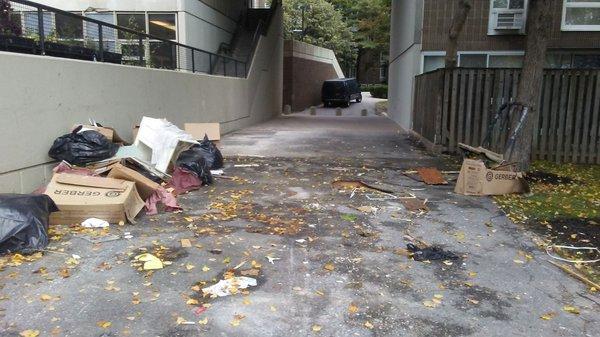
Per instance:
x=508, y=20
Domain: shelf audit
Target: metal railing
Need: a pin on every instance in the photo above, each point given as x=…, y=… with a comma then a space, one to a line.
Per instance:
x=29, y=27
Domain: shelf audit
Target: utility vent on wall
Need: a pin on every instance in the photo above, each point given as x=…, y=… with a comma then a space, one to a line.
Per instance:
x=508, y=20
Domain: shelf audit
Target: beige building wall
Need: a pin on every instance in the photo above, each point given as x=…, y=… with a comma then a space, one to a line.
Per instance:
x=42, y=97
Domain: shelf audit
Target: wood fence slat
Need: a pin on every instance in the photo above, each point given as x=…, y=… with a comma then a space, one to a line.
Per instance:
x=468, y=122
x=487, y=103
x=445, y=114
x=561, y=118
x=568, y=135
x=594, y=147
x=452, y=143
x=587, y=112
x=460, y=134
x=546, y=113
x=575, y=133
x=540, y=121
x=552, y=132
x=477, y=111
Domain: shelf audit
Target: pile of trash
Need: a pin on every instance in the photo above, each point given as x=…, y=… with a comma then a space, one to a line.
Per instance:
x=101, y=179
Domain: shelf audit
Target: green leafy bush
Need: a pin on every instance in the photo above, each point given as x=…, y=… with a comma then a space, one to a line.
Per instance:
x=376, y=90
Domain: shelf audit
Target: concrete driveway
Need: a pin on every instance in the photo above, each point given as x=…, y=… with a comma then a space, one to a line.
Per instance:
x=355, y=109
x=328, y=261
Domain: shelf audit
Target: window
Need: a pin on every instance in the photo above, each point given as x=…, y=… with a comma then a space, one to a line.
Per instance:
x=505, y=61
x=135, y=22
x=68, y=27
x=433, y=62
x=581, y=15
x=507, y=17
x=109, y=35
x=472, y=60
x=163, y=26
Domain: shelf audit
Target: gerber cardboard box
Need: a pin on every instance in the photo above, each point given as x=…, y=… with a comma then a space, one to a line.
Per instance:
x=81, y=197
x=476, y=179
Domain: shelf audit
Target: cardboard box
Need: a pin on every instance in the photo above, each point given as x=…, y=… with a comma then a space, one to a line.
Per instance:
x=144, y=186
x=476, y=179
x=81, y=197
x=198, y=130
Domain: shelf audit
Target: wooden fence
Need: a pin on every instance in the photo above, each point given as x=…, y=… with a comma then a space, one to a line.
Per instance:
x=454, y=106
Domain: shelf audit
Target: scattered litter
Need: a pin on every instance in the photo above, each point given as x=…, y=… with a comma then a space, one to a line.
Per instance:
x=184, y=181
x=272, y=259
x=430, y=253
x=301, y=240
x=414, y=205
x=553, y=248
x=80, y=148
x=186, y=243
x=476, y=179
x=127, y=235
x=81, y=197
x=193, y=160
x=353, y=184
x=161, y=195
x=95, y=223
x=229, y=286
x=367, y=209
x=431, y=176
x=381, y=197
x=201, y=130
x=246, y=165
x=217, y=172
x=24, y=222
x=145, y=186
x=99, y=239
x=151, y=262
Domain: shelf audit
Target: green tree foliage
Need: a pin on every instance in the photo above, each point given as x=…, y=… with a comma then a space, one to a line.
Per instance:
x=345, y=26
x=323, y=26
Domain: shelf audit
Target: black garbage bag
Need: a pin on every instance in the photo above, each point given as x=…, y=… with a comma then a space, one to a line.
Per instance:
x=24, y=222
x=193, y=160
x=211, y=154
x=82, y=148
x=430, y=253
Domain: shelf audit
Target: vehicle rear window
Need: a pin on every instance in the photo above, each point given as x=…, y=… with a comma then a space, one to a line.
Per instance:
x=333, y=89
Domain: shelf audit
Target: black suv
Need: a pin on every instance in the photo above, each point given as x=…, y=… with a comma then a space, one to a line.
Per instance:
x=340, y=91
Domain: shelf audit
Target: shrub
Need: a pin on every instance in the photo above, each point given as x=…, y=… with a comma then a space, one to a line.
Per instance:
x=7, y=25
x=376, y=90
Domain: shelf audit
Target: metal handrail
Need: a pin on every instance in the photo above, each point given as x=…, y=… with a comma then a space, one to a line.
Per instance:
x=140, y=35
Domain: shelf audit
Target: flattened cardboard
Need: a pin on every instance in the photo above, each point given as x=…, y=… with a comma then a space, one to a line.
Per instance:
x=79, y=198
x=476, y=179
x=198, y=130
x=144, y=186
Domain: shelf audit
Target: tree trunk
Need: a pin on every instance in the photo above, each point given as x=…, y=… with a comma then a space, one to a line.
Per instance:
x=539, y=20
x=458, y=22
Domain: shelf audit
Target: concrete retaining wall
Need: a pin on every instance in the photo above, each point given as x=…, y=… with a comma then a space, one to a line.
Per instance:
x=42, y=97
x=305, y=68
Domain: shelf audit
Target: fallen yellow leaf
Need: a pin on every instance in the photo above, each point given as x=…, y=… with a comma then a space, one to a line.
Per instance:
x=104, y=324
x=369, y=325
x=548, y=316
x=30, y=333
x=352, y=308
x=571, y=309
x=329, y=266
x=316, y=328
x=203, y=321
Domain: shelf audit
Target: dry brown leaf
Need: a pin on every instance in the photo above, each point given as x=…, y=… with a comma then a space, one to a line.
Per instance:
x=29, y=333
x=329, y=266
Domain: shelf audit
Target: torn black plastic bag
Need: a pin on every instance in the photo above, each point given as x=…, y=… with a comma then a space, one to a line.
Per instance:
x=430, y=253
x=82, y=148
x=24, y=222
x=212, y=155
x=193, y=160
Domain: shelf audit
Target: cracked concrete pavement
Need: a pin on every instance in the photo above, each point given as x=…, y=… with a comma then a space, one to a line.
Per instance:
x=340, y=271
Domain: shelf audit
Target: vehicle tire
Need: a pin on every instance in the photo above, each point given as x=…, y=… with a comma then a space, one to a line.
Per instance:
x=359, y=99
x=347, y=103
